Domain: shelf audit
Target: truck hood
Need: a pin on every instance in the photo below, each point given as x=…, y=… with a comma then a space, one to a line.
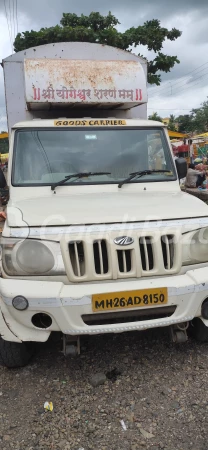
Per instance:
x=97, y=208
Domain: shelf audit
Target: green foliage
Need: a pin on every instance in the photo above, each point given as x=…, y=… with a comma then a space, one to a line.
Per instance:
x=4, y=145
x=155, y=117
x=185, y=124
x=199, y=118
x=102, y=29
x=196, y=122
x=162, y=63
x=94, y=21
x=172, y=123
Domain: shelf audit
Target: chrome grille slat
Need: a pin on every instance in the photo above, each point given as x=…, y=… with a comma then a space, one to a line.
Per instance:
x=101, y=257
x=101, y=263
x=167, y=252
x=168, y=249
x=146, y=253
x=77, y=259
x=124, y=261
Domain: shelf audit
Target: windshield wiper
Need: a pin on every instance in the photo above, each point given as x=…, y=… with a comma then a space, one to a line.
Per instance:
x=77, y=176
x=140, y=174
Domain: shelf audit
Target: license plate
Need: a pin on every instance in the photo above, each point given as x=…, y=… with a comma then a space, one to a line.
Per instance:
x=129, y=299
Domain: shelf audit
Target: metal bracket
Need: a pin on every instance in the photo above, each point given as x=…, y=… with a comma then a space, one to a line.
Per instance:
x=71, y=345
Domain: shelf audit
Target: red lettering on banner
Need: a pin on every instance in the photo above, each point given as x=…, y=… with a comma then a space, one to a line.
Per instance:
x=85, y=94
x=36, y=93
x=48, y=93
x=138, y=95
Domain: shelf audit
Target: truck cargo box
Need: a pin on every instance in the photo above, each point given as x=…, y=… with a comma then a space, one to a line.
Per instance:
x=103, y=84
x=74, y=79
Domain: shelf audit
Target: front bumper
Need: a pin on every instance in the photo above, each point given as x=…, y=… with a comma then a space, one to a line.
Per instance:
x=67, y=304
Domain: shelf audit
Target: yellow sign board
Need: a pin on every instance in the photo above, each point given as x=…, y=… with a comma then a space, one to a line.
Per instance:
x=4, y=135
x=89, y=123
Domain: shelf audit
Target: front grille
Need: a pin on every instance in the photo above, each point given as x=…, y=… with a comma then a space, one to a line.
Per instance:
x=101, y=259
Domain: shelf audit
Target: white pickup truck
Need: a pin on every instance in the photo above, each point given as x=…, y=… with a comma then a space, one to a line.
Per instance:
x=99, y=237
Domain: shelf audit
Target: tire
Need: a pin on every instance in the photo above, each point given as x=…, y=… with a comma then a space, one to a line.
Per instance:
x=199, y=330
x=13, y=354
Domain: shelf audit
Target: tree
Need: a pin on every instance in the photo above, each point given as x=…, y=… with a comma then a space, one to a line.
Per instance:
x=199, y=118
x=196, y=121
x=172, y=123
x=185, y=123
x=102, y=29
x=155, y=116
x=4, y=145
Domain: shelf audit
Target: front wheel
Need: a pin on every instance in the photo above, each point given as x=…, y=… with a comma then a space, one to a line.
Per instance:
x=199, y=330
x=13, y=354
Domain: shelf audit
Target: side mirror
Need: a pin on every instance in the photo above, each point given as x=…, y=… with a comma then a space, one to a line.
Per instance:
x=3, y=182
x=181, y=166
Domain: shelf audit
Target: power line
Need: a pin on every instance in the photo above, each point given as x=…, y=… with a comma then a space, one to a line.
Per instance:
x=17, y=15
x=162, y=88
x=170, y=109
x=10, y=20
x=192, y=84
x=11, y=15
x=189, y=73
x=179, y=109
x=189, y=85
x=14, y=23
x=15, y=18
x=8, y=25
x=176, y=109
x=183, y=84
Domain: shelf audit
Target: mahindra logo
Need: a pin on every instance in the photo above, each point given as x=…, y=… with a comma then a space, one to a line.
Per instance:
x=123, y=240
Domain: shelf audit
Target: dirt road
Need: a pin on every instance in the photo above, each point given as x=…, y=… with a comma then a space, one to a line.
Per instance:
x=158, y=389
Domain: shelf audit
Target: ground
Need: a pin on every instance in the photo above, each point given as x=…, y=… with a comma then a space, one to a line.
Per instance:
x=159, y=390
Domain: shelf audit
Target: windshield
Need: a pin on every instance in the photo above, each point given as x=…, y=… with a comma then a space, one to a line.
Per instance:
x=46, y=156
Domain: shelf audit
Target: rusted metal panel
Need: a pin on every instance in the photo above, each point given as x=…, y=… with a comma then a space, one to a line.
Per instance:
x=19, y=110
x=84, y=82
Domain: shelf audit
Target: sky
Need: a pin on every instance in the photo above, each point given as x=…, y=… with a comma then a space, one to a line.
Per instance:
x=181, y=90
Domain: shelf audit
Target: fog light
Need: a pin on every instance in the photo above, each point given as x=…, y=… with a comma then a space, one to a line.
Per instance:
x=20, y=303
x=204, y=310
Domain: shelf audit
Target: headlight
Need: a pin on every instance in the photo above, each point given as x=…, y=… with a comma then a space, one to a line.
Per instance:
x=31, y=257
x=195, y=247
x=34, y=257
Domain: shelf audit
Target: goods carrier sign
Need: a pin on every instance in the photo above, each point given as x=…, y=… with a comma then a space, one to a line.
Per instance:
x=88, y=123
